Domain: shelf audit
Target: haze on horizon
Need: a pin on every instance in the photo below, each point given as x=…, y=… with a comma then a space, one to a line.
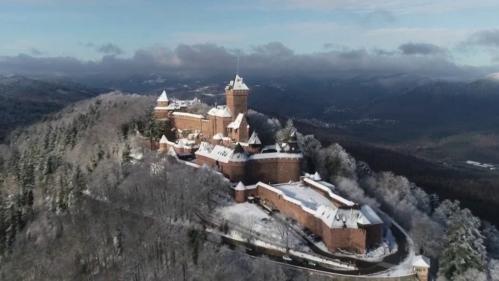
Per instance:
x=443, y=39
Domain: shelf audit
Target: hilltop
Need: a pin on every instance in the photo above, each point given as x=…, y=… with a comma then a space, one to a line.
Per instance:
x=83, y=197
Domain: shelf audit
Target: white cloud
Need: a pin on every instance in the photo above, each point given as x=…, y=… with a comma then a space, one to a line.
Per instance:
x=395, y=6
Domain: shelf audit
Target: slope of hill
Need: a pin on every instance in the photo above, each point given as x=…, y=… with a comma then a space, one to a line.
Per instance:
x=25, y=100
x=80, y=199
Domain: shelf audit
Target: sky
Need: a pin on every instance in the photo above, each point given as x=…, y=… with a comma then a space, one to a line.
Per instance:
x=463, y=33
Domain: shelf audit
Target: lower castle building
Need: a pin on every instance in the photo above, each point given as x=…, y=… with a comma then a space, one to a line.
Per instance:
x=341, y=224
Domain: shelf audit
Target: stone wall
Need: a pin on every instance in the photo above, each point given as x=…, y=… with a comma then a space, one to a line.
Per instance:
x=273, y=170
x=352, y=239
x=161, y=114
x=184, y=122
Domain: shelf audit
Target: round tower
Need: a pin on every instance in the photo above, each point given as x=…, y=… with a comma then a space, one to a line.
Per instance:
x=240, y=193
x=161, y=111
x=421, y=266
x=163, y=144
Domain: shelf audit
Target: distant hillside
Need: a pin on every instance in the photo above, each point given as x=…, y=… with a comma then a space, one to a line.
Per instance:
x=25, y=100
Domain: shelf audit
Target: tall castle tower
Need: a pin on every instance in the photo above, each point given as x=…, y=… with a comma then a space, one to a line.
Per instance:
x=236, y=95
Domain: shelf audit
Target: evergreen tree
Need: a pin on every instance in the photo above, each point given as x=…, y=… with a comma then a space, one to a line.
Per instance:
x=125, y=155
x=464, y=249
x=3, y=226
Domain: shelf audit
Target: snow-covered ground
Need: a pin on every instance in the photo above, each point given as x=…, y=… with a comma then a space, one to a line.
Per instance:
x=314, y=258
x=255, y=220
x=481, y=165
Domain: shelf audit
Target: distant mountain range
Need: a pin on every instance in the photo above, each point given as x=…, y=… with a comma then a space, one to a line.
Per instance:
x=25, y=100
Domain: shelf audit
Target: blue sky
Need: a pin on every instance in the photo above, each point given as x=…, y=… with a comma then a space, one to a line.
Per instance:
x=467, y=31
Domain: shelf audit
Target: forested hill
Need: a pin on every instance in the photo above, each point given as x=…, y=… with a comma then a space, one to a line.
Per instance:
x=25, y=100
x=82, y=200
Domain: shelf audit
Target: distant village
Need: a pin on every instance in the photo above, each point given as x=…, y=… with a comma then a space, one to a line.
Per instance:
x=270, y=175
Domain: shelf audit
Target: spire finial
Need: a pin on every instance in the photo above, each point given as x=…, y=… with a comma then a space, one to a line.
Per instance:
x=237, y=69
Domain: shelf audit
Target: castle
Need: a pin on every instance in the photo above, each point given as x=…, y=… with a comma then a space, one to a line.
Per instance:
x=271, y=174
x=222, y=139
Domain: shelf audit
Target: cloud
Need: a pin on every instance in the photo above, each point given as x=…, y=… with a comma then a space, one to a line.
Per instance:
x=378, y=16
x=267, y=61
x=35, y=52
x=396, y=7
x=484, y=38
x=109, y=49
x=273, y=49
x=421, y=49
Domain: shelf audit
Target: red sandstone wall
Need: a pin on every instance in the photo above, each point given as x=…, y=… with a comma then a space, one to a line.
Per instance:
x=161, y=114
x=277, y=170
x=342, y=238
x=187, y=122
x=374, y=235
x=351, y=239
x=235, y=171
x=201, y=160
x=207, y=128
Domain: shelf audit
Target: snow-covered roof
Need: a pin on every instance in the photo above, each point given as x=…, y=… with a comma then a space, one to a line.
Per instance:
x=240, y=186
x=163, y=140
x=237, y=122
x=320, y=206
x=369, y=216
x=421, y=261
x=186, y=143
x=239, y=154
x=223, y=154
x=197, y=116
x=163, y=96
x=205, y=147
x=273, y=155
x=237, y=84
x=218, y=136
x=315, y=177
x=308, y=196
x=254, y=139
x=328, y=191
x=220, y=111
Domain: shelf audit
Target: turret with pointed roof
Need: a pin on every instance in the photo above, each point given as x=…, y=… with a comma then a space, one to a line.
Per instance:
x=254, y=140
x=163, y=99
